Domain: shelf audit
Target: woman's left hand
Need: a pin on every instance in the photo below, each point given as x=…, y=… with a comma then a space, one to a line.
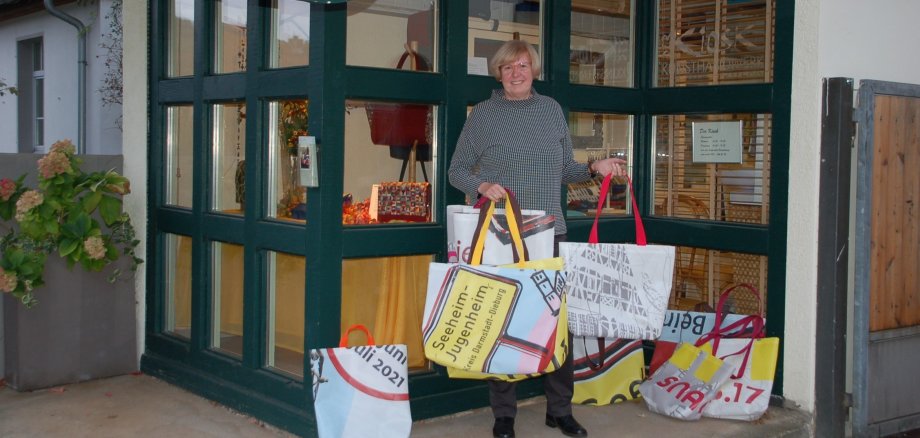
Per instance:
x=608, y=166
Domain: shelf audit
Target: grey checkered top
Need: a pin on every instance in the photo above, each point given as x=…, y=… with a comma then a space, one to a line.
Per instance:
x=523, y=145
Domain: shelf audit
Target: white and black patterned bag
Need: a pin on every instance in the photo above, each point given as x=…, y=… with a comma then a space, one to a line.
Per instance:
x=617, y=290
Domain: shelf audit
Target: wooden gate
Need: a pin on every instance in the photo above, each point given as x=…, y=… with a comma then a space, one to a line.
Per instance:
x=886, y=398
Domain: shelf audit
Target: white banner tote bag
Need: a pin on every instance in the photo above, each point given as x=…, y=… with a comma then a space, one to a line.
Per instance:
x=361, y=391
x=537, y=229
x=617, y=290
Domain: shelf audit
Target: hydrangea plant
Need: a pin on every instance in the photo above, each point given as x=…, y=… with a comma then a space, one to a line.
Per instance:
x=62, y=215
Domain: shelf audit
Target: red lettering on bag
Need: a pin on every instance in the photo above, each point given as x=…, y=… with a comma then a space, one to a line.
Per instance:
x=667, y=381
x=694, y=397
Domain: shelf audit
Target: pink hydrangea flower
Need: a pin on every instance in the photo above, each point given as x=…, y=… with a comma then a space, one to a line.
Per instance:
x=7, y=281
x=94, y=247
x=55, y=163
x=64, y=146
x=29, y=200
x=7, y=188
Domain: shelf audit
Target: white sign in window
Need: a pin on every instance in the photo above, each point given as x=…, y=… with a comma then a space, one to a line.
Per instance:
x=717, y=142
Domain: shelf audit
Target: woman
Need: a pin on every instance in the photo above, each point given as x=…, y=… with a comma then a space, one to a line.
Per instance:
x=519, y=139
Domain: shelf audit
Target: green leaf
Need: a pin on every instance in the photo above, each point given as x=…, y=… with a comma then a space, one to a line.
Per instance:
x=67, y=246
x=84, y=224
x=6, y=210
x=16, y=257
x=91, y=201
x=52, y=228
x=110, y=209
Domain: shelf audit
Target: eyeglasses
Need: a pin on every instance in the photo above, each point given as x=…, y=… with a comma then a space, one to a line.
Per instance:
x=508, y=68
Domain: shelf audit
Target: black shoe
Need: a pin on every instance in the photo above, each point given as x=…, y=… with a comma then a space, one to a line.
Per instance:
x=567, y=424
x=504, y=427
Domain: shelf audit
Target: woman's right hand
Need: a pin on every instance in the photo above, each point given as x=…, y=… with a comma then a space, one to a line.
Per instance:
x=495, y=192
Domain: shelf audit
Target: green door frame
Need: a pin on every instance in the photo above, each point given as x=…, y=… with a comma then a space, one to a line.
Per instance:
x=327, y=82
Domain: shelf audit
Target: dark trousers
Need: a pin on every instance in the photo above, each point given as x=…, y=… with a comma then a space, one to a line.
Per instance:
x=558, y=385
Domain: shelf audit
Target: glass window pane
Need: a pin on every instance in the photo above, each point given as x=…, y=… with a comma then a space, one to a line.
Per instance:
x=227, y=298
x=178, y=285
x=290, y=33
x=389, y=152
x=602, y=43
x=492, y=22
x=229, y=154
x=708, y=42
x=38, y=107
x=285, y=332
x=181, y=38
x=700, y=276
x=179, y=160
x=397, y=28
x=597, y=136
x=229, y=36
x=286, y=192
x=706, y=188
x=387, y=295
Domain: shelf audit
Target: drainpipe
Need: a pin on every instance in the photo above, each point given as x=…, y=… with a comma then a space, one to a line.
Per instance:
x=81, y=71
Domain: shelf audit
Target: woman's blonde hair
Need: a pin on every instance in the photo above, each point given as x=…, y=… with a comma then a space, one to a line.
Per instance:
x=510, y=52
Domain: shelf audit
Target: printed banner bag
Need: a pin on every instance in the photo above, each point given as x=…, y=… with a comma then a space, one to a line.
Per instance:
x=686, y=326
x=752, y=358
x=495, y=320
x=538, y=232
x=559, y=355
x=606, y=370
x=617, y=290
x=682, y=386
x=746, y=395
x=361, y=391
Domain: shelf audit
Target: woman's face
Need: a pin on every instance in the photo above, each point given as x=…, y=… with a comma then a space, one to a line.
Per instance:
x=517, y=78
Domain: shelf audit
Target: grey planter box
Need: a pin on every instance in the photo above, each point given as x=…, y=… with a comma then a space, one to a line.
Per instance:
x=83, y=327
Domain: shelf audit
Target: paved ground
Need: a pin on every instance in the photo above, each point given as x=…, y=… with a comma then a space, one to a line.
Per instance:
x=140, y=405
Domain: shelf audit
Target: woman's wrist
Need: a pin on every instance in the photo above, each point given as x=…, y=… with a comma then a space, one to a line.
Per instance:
x=591, y=170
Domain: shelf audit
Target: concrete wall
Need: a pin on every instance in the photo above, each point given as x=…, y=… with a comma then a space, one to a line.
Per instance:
x=833, y=38
x=134, y=141
x=60, y=57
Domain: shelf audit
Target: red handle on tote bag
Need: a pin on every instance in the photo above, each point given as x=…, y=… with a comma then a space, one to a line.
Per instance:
x=605, y=190
x=343, y=342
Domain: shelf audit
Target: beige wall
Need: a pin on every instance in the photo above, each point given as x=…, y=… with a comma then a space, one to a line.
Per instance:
x=134, y=139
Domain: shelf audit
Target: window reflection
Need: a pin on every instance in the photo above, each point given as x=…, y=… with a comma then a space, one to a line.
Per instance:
x=707, y=187
x=597, y=136
x=287, y=132
x=227, y=298
x=178, y=285
x=602, y=44
x=230, y=36
x=181, y=51
x=702, y=274
x=285, y=343
x=179, y=159
x=290, y=33
x=229, y=158
x=389, y=151
x=399, y=28
x=492, y=22
x=709, y=42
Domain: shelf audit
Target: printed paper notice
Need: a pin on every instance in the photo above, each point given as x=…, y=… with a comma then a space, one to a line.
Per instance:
x=717, y=142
